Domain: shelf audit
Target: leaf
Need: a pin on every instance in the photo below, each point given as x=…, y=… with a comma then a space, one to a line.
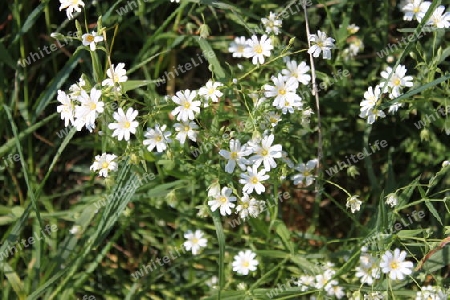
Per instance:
x=5, y=57
x=208, y=52
x=134, y=84
x=284, y=234
x=433, y=210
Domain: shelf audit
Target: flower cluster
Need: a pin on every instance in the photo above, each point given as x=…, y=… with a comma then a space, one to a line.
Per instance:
x=416, y=10
x=355, y=44
x=325, y=281
x=392, y=83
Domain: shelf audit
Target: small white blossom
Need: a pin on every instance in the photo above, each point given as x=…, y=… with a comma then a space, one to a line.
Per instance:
x=258, y=49
x=395, y=264
x=66, y=109
x=104, y=163
x=195, y=241
x=186, y=105
x=272, y=23
x=238, y=46
x=236, y=155
x=223, y=201
x=321, y=43
x=354, y=203
x=306, y=175
x=210, y=91
x=118, y=75
x=392, y=200
x=70, y=6
x=157, y=137
x=245, y=262
x=186, y=129
x=91, y=40
x=252, y=180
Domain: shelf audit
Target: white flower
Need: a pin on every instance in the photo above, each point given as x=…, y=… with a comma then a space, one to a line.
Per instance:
x=398, y=79
x=104, y=163
x=158, y=138
x=392, y=199
x=90, y=107
x=283, y=91
x=319, y=43
x=336, y=291
x=431, y=293
x=245, y=262
x=297, y=71
x=371, y=97
x=252, y=180
x=76, y=88
x=210, y=91
x=305, y=282
x=187, y=107
x=439, y=18
x=186, y=129
x=224, y=201
x=258, y=49
x=125, y=123
x=235, y=155
x=195, y=241
x=355, y=46
x=393, y=108
x=265, y=152
x=117, y=76
x=75, y=229
x=91, y=39
x=395, y=264
x=248, y=206
x=70, y=6
x=352, y=29
x=445, y=163
x=367, y=270
x=238, y=46
x=323, y=281
x=273, y=118
x=66, y=109
x=372, y=115
x=272, y=23
x=416, y=8
x=354, y=203
x=306, y=175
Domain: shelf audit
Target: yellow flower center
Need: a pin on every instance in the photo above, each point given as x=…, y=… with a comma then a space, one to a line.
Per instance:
x=394, y=265
x=211, y=91
x=127, y=125
x=194, y=240
x=415, y=9
x=306, y=173
x=245, y=264
x=264, y=152
x=186, y=105
x=254, y=180
x=234, y=155
x=93, y=106
x=186, y=128
x=90, y=38
x=158, y=138
x=105, y=165
x=223, y=199
x=396, y=82
x=320, y=44
x=273, y=120
x=282, y=91
x=258, y=49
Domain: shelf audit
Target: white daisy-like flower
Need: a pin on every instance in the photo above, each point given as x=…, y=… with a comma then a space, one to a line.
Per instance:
x=118, y=75
x=356, y=45
x=395, y=264
x=258, y=49
x=354, y=203
x=187, y=106
x=273, y=118
x=70, y=6
x=76, y=88
x=265, y=152
x=297, y=71
x=66, y=109
x=372, y=115
x=336, y=291
x=252, y=180
x=195, y=241
x=371, y=97
x=157, y=137
x=321, y=43
x=224, y=201
x=431, y=293
x=210, y=91
x=125, y=123
x=415, y=9
x=393, y=108
x=305, y=282
x=236, y=155
x=272, y=23
x=397, y=81
x=104, y=163
x=439, y=18
x=90, y=107
x=368, y=270
x=244, y=262
x=238, y=46
x=91, y=40
x=306, y=175
x=392, y=199
x=324, y=281
x=283, y=91
x=186, y=129
x=248, y=206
